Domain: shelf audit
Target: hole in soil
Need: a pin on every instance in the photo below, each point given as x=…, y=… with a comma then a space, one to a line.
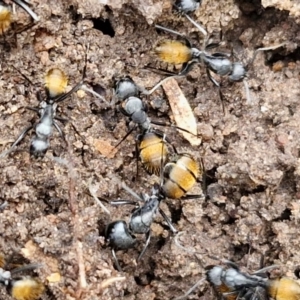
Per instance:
x=294, y=56
x=285, y=215
x=297, y=272
x=104, y=26
x=145, y=279
x=175, y=214
x=53, y=204
x=250, y=6
x=210, y=176
x=258, y=189
x=240, y=251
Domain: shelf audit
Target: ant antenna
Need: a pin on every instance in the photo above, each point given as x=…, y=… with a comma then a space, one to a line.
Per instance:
x=265, y=49
x=200, y=28
x=92, y=190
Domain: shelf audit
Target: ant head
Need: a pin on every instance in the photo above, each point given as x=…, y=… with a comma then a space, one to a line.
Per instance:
x=118, y=235
x=125, y=87
x=239, y=72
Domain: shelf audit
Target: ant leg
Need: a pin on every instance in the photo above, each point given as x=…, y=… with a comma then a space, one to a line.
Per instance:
x=61, y=133
x=92, y=190
x=125, y=137
x=63, y=120
x=130, y=191
x=190, y=290
x=200, y=28
x=26, y=268
x=173, y=229
x=247, y=91
x=169, y=30
x=161, y=171
x=25, y=27
x=33, y=109
x=24, y=76
x=27, y=9
x=18, y=140
x=61, y=98
x=263, y=270
x=137, y=158
x=162, y=82
x=73, y=90
x=148, y=236
x=123, y=202
x=116, y=260
x=217, y=84
x=214, y=81
x=172, y=125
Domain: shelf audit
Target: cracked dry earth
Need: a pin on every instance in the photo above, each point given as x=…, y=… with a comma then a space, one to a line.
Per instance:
x=250, y=153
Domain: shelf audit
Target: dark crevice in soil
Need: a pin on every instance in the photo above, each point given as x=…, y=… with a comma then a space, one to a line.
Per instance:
x=240, y=251
x=258, y=189
x=104, y=26
x=175, y=214
x=285, y=215
x=292, y=57
x=250, y=7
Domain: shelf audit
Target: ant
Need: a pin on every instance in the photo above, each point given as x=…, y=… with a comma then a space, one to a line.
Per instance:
x=24, y=287
x=150, y=143
x=121, y=236
x=55, y=84
x=178, y=177
x=176, y=52
x=231, y=283
x=6, y=20
x=6, y=15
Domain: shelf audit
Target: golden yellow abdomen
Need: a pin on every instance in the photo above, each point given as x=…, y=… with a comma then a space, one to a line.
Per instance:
x=173, y=52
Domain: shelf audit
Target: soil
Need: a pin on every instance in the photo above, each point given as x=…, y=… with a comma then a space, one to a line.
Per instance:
x=251, y=153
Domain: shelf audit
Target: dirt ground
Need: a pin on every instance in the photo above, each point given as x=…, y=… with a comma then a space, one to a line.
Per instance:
x=251, y=153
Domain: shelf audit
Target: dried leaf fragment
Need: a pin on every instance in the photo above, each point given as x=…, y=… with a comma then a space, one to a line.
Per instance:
x=183, y=114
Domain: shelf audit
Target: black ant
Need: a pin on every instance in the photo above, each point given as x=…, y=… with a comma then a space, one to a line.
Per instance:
x=22, y=287
x=55, y=85
x=121, y=236
x=176, y=52
x=150, y=143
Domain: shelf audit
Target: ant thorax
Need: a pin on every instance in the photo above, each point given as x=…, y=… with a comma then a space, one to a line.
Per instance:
x=135, y=108
x=220, y=65
x=142, y=217
x=44, y=127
